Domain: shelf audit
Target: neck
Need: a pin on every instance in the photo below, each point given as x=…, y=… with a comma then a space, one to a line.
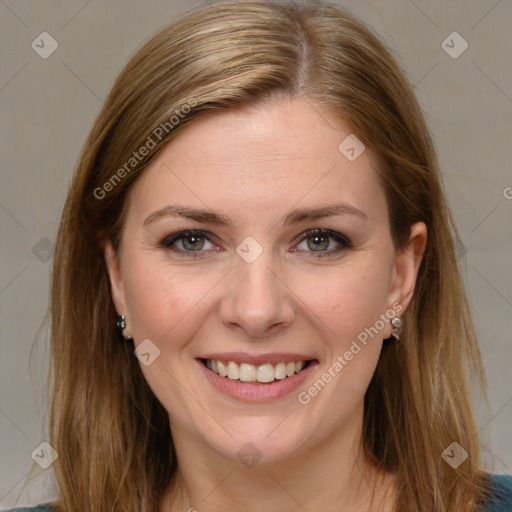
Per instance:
x=333, y=476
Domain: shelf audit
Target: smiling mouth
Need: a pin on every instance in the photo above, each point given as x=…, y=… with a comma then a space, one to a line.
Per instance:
x=266, y=373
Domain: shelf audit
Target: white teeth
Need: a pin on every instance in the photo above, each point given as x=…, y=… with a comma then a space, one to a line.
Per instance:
x=280, y=371
x=265, y=373
x=223, y=371
x=246, y=372
x=233, y=371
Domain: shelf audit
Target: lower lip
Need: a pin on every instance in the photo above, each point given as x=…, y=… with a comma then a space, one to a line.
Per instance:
x=248, y=392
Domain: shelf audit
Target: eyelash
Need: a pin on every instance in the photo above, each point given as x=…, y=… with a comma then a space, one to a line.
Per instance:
x=170, y=239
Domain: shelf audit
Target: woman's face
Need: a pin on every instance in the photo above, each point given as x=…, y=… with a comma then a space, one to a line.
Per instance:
x=251, y=288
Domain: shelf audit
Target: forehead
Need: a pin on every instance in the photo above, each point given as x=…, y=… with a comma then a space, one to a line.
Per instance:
x=261, y=160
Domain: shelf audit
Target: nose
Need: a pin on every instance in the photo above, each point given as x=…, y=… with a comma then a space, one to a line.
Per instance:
x=256, y=299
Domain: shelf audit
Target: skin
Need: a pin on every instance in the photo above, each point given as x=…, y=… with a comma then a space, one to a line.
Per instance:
x=255, y=165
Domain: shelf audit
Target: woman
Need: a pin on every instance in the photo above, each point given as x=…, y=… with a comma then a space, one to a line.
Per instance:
x=258, y=211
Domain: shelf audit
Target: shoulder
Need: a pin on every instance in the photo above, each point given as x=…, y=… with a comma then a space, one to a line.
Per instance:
x=500, y=499
x=45, y=507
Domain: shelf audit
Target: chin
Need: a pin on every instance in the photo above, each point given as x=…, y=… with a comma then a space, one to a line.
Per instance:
x=251, y=441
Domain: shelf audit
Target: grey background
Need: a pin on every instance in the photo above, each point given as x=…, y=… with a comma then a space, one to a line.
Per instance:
x=48, y=106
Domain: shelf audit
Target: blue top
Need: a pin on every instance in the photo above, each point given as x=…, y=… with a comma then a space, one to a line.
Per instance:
x=500, y=500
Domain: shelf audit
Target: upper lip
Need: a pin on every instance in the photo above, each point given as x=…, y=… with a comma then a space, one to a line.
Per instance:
x=257, y=359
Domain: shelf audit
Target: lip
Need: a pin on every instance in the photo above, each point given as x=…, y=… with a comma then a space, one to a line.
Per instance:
x=247, y=392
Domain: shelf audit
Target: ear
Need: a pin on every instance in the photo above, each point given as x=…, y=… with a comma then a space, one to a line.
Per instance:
x=406, y=266
x=116, y=282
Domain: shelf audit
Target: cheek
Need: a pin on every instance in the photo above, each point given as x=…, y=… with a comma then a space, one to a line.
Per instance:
x=161, y=299
x=348, y=299
x=347, y=311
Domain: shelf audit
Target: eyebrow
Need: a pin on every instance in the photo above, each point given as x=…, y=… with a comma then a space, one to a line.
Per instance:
x=293, y=217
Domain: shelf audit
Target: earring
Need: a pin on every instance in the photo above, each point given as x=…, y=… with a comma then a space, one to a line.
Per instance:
x=397, y=327
x=120, y=322
x=121, y=325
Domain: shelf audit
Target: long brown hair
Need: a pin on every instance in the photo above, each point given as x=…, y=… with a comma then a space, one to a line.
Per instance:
x=111, y=433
